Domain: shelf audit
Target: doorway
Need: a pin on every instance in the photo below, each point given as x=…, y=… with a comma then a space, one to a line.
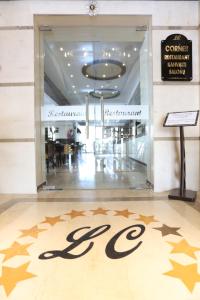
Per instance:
x=96, y=107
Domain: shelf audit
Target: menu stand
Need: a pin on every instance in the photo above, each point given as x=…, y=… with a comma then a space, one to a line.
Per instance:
x=181, y=193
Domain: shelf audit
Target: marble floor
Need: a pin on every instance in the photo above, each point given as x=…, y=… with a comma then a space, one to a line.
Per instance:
x=89, y=171
x=139, y=246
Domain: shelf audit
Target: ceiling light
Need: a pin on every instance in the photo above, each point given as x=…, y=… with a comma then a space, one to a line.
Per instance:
x=116, y=86
x=85, y=54
x=129, y=55
x=83, y=49
x=124, y=53
x=87, y=86
x=65, y=55
x=61, y=49
x=75, y=92
x=68, y=64
x=135, y=49
x=71, y=75
x=113, y=49
x=106, y=64
x=119, y=75
x=73, y=86
x=101, y=86
x=85, y=64
x=97, y=70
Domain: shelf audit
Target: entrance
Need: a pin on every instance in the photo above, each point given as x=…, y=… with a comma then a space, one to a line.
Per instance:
x=96, y=107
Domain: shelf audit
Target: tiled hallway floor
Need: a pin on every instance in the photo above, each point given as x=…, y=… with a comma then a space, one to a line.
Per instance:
x=105, y=250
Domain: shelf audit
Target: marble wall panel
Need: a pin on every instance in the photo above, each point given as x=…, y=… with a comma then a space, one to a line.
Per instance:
x=17, y=112
x=174, y=98
x=17, y=168
x=164, y=13
x=167, y=165
x=16, y=56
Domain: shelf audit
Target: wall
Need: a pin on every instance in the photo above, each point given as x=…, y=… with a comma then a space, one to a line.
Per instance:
x=19, y=122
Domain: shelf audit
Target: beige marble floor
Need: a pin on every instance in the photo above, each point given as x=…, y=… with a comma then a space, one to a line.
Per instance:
x=164, y=265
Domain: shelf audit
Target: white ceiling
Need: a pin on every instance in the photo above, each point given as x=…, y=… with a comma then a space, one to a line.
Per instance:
x=68, y=49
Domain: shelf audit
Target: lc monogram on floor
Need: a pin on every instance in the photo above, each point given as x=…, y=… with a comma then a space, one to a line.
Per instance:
x=132, y=233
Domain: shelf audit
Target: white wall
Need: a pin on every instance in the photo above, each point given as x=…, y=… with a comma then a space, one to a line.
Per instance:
x=17, y=86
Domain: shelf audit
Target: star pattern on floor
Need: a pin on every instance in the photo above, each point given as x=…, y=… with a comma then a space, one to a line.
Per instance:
x=186, y=273
x=76, y=213
x=124, y=213
x=33, y=232
x=166, y=230
x=147, y=219
x=11, y=276
x=99, y=211
x=52, y=220
x=14, y=250
x=184, y=247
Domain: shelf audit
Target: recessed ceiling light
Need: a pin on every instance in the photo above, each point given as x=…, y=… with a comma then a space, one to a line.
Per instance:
x=73, y=86
x=85, y=65
x=75, y=92
x=101, y=86
x=123, y=64
x=68, y=64
x=129, y=55
x=104, y=75
x=135, y=49
x=86, y=75
x=61, y=49
x=119, y=75
x=71, y=75
x=85, y=54
x=65, y=55
x=83, y=49
x=106, y=64
x=87, y=86
x=113, y=49
x=124, y=53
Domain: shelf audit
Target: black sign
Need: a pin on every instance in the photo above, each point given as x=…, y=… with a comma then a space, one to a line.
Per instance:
x=176, y=58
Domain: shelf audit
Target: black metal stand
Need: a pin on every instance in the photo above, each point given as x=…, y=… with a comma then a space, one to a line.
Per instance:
x=182, y=193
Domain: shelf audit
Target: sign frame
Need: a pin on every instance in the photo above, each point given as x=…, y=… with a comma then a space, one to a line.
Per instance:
x=183, y=124
x=176, y=58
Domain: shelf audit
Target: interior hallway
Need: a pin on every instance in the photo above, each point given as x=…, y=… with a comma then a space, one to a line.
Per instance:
x=134, y=245
x=105, y=171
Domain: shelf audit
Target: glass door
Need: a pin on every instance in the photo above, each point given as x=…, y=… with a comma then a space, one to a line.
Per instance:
x=98, y=112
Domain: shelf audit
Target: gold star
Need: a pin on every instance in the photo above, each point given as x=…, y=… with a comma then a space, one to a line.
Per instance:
x=14, y=250
x=125, y=213
x=11, y=276
x=76, y=213
x=147, y=219
x=184, y=247
x=33, y=231
x=99, y=211
x=187, y=273
x=52, y=220
x=165, y=230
